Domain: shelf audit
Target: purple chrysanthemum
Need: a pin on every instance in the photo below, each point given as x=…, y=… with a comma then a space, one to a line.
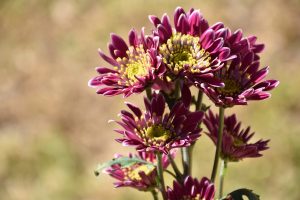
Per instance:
x=135, y=67
x=192, y=189
x=242, y=77
x=155, y=130
x=139, y=175
x=235, y=143
x=193, y=50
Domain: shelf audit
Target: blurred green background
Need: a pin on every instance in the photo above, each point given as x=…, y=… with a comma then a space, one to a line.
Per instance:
x=54, y=130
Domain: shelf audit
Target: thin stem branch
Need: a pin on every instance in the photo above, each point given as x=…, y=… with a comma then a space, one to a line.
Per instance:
x=171, y=173
x=219, y=144
x=199, y=100
x=186, y=161
x=188, y=151
x=154, y=195
x=160, y=174
x=222, y=177
x=149, y=93
x=174, y=166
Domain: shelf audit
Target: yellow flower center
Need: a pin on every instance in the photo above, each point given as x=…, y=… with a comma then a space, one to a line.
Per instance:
x=158, y=133
x=232, y=87
x=184, y=52
x=134, y=173
x=135, y=65
x=237, y=142
x=135, y=69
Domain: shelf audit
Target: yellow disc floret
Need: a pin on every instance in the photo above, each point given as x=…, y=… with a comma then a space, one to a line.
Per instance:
x=237, y=142
x=232, y=87
x=184, y=52
x=135, y=65
x=158, y=133
x=134, y=173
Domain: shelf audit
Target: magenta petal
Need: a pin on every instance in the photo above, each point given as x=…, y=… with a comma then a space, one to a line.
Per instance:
x=207, y=37
x=108, y=59
x=183, y=25
x=118, y=42
x=154, y=20
x=260, y=75
x=217, y=26
x=104, y=70
x=133, y=37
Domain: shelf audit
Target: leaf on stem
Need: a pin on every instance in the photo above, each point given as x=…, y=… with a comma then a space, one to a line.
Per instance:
x=240, y=193
x=123, y=162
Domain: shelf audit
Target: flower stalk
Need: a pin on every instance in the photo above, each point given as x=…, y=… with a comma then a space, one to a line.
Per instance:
x=222, y=177
x=159, y=168
x=149, y=93
x=199, y=100
x=186, y=161
x=219, y=144
x=175, y=168
x=154, y=195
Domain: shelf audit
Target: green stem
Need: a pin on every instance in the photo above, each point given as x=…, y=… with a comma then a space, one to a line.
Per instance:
x=177, y=90
x=149, y=93
x=186, y=161
x=219, y=144
x=171, y=173
x=188, y=151
x=174, y=166
x=199, y=100
x=154, y=195
x=222, y=177
x=160, y=174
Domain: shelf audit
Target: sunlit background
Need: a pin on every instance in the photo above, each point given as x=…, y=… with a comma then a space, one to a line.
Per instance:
x=53, y=127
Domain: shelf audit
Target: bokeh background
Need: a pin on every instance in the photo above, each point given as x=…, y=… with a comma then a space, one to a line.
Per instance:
x=54, y=130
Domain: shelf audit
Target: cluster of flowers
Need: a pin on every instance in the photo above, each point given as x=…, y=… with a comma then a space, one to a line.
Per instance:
x=220, y=63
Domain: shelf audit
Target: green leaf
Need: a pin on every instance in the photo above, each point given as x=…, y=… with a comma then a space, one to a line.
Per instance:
x=238, y=195
x=123, y=161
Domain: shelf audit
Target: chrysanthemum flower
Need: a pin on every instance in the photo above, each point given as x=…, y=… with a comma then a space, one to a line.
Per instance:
x=135, y=67
x=235, y=143
x=139, y=175
x=243, y=82
x=242, y=77
x=193, y=50
x=192, y=189
x=155, y=130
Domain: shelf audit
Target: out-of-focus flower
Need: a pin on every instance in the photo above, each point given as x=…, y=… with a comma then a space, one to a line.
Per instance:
x=193, y=50
x=139, y=175
x=243, y=82
x=155, y=130
x=235, y=143
x=135, y=67
x=192, y=189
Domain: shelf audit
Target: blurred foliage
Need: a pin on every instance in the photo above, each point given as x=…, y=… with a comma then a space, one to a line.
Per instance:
x=54, y=130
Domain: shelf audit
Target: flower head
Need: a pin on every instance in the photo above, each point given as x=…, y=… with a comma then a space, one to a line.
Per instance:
x=235, y=143
x=139, y=175
x=242, y=77
x=193, y=50
x=155, y=130
x=135, y=67
x=192, y=189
